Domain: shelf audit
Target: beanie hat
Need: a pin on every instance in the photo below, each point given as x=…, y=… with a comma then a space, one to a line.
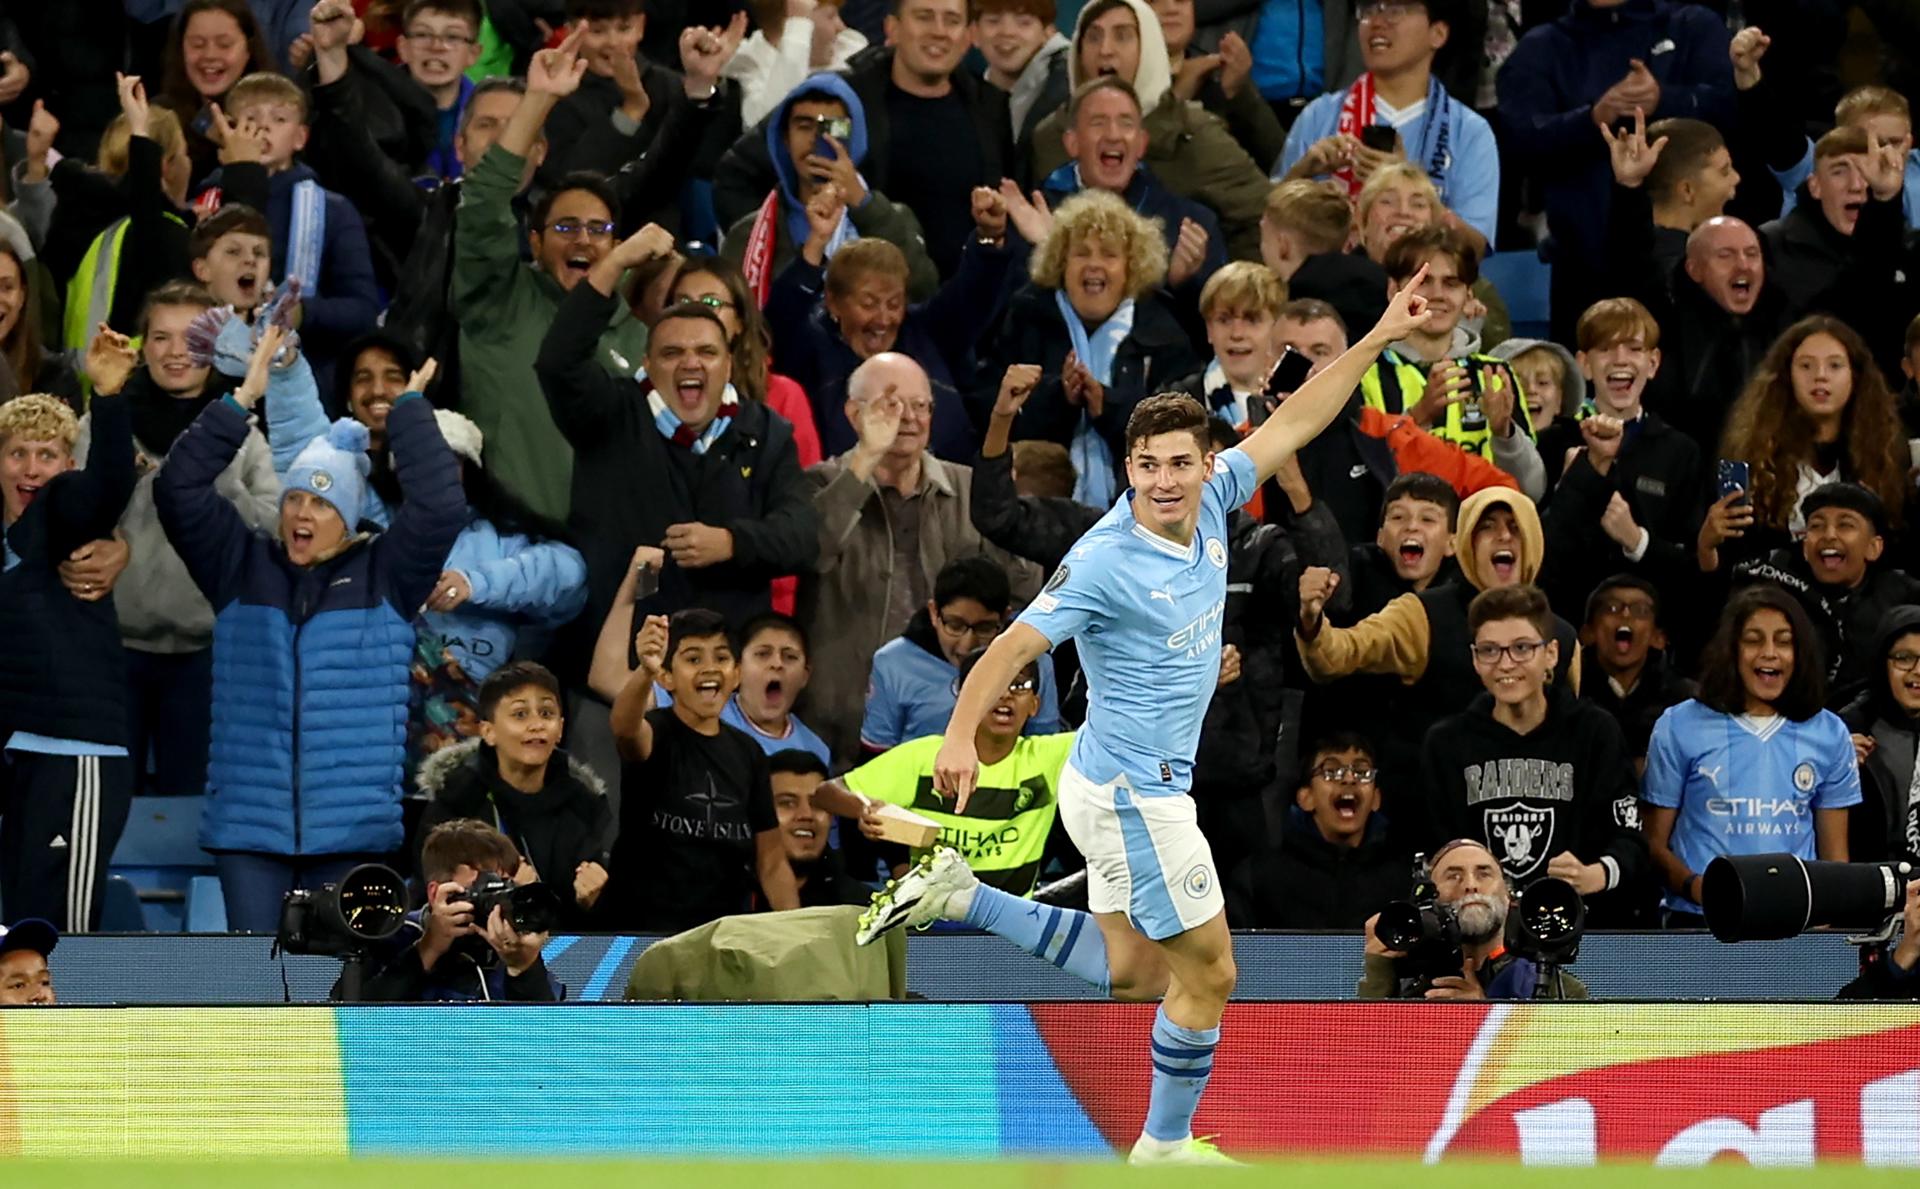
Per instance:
x=335, y=468
x=463, y=436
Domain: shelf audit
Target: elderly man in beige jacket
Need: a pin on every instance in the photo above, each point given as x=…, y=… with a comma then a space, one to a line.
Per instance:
x=891, y=514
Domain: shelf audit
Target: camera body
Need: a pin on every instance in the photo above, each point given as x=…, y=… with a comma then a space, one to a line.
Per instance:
x=527, y=908
x=1427, y=932
x=342, y=919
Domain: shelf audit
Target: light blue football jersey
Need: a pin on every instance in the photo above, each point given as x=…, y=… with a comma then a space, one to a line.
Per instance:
x=1745, y=786
x=1146, y=614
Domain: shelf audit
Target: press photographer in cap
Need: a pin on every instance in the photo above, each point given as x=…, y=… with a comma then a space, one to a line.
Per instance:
x=1466, y=887
x=25, y=978
x=448, y=953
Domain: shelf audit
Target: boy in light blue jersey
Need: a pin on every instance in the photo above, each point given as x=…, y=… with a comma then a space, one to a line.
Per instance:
x=1142, y=594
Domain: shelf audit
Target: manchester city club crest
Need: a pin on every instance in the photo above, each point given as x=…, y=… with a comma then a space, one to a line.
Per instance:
x=1803, y=776
x=1518, y=833
x=1216, y=553
x=1198, y=881
x=321, y=481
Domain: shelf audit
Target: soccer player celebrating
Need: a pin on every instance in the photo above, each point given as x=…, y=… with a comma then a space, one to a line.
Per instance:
x=1142, y=593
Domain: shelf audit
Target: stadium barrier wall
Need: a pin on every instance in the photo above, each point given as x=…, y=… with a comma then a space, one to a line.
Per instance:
x=1541, y=1083
x=145, y=968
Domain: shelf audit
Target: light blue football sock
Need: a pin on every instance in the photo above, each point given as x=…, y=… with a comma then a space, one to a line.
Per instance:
x=1182, y=1063
x=1068, y=939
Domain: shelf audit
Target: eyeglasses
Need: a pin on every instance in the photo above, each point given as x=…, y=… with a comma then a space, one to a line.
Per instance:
x=599, y=229
x=708, y=300
x=1345, y=772
x=446, y=40
x=1389, y=11
x=1638, y=609
x=1520, y=650
x=1024, y=685
x=986, y=629
x=1903, y=660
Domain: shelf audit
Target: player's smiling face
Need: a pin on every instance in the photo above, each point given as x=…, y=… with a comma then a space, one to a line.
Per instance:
x=1168, y=472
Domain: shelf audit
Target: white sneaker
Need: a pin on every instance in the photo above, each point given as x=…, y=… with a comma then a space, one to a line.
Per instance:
x=1147, y=1150
x=924, y=894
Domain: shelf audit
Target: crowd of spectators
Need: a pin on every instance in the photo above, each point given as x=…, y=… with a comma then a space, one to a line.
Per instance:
x=586, y=441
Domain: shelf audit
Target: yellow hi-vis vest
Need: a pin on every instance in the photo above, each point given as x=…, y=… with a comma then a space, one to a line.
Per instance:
x=1394, y=384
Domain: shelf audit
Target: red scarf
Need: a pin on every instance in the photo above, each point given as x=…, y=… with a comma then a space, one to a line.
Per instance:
x=757, y=263
x=1356, y=112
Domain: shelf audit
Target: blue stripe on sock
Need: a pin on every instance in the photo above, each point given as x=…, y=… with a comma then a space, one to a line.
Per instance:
x=1073, y=935
x=1174, y=1054
x=1171, y=1072
x=1046, y=934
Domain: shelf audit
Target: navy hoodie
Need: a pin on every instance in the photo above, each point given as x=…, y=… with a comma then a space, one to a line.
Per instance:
x=1548, y=87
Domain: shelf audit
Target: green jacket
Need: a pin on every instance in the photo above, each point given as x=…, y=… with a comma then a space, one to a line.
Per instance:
x=1190, y=150
x=505, y=306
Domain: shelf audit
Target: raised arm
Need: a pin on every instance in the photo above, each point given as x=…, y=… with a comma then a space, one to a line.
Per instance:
x=1302, y=416
x=433, y=507
x=632, y=733
x=957, y=768
x=609, y=671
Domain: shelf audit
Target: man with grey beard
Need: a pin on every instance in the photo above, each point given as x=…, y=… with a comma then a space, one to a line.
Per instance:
x=1467, y=878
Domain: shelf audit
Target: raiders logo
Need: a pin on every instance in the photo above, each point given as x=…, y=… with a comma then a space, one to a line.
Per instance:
x=1626, y=813
x=1518, y=835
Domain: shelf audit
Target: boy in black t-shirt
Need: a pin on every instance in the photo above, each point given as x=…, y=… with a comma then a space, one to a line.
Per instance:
x=696, y=812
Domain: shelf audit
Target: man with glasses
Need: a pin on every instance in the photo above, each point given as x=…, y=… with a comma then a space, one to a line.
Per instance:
x=1529, y=769
x=1448, y=140
x=1623, y=646
x=916, y=675
x=1333, y=861
x=893, y=517
x=504, y=306
x=1003, y=833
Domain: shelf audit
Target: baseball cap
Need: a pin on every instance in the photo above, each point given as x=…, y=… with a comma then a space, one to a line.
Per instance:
x=31, y=934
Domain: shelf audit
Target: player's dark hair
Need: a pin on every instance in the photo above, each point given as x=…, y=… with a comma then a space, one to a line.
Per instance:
x=795, y=762
x=508, y=678
x=1428, y=489
x=592, y=183
x=1220, y=435
x=978, y=578
x=1167, y=412
x=1329, y=744
x=1720, y=684
x=1511, y=602
x=1633, y=582
x=771, y=621
x=695, y=623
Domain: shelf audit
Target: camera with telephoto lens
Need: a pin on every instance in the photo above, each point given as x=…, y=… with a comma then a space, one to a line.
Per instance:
x=1425, y=931
x=1768, y=897
x=342, y=919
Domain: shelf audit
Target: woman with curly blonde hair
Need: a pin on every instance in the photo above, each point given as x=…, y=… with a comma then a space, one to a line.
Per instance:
x=1816, y=411
x=1092, y=318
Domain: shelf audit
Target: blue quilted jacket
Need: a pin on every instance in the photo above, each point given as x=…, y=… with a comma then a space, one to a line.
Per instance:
x=309, y=664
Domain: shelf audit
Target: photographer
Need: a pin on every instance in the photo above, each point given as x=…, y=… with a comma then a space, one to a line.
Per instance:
x=1466, y=878
x=442, y=954
x=1894, y=973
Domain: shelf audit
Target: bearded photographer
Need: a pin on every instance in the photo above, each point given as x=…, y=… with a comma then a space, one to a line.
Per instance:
x=441, y=954
x=1465, y=878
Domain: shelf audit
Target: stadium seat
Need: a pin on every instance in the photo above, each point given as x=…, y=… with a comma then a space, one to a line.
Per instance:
x=121, y=911
x=160, y=857
x=1524, y=280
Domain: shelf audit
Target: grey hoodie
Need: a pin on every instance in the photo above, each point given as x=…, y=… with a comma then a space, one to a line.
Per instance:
x=1573, y=391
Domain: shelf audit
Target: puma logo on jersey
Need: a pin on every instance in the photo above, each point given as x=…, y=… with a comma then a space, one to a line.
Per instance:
x=1712, y=774
x=1159, y=594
